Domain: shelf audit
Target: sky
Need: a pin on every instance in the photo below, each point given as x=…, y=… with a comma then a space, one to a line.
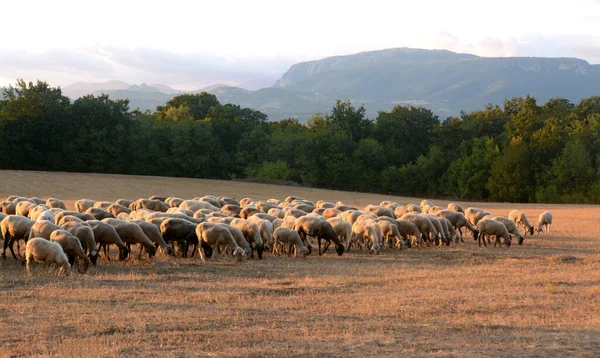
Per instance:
x=192, y=44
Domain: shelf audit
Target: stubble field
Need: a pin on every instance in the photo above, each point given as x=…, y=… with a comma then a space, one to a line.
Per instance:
x=542, y=298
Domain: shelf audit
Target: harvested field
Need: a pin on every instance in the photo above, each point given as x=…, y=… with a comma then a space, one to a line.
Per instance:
x=542, y=298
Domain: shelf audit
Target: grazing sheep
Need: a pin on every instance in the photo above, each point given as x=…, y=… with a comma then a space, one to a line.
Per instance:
x=116, y=209
x=544, y=222
x=246, y=201
x=56, y=203
x=451, y=234
x=425, y=226
x=174, y=202
x=265, y=228
x=289, y=222
x=43, y=228
x=520, y=218
x=132, y=234
x=389, y=204
x=69, y=218
x=42, y=215
x=37, y=200
x=365, y=217
x=276, y=212
x=154, y=205
x=276, y=223
x=231, y=207
x=211, y=200
x=458, y=221
x=456, y=207
x=307, y=226
x=153, y=233
x=217, y=236
x=41, y=250
x=2, y=216
x=380, y=211
x=157, y=197
x=365, y=233
x=330, y=213
x=23, y=208
x=438, y=227
x=71, y=246
x=425, y=203
x=124, y=217
x=283, y=236
x=351, y=215
x=511, y=226
x=85, y=234
x=399, y=211
x=342, y=228
x=406, y=229
x=475, y=214
x=305, y=207
x=291, y=198
x=106, y=235
x=82, y=205
x=83, y=216
x=100, y=214
x=248, y=211
x=123, y=202
x=15, y=228
x=239, y=238
x=253, y=234
x=390, y=233
x=413, y=208
x=324, y=204
x=265, y=206
x=230, y=201
x=493, y=227
x=181, y=211
x=264, y=216
x=101, y=205
x=295, y=212
x=8, y=208
x=342, y=207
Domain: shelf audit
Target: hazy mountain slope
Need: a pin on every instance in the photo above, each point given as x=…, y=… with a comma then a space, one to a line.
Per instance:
x=79, y=89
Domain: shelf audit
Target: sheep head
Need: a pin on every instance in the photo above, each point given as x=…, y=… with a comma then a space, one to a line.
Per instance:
x=304, y=251
x=520, y=240
x=259, y=251
x=123, y=253
x=530, y=229
x=339, y=248
x=93, y=255
x=238, y=253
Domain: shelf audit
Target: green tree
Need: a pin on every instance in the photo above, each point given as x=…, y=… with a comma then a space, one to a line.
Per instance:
x=199, y=105
x=510, y=177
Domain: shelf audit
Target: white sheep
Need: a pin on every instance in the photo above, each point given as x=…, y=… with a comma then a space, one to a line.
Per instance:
x=493, y=227
x=41, y=250
x=456, y=207
x=425, y=203
x=520, y=218
x=544, y=222
x=283, y=236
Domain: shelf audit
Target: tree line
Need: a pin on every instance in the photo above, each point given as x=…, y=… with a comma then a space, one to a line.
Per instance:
x=519, y=152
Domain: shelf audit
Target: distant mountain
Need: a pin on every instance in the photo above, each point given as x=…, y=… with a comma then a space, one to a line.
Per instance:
x=443, y=81
x=79, y=89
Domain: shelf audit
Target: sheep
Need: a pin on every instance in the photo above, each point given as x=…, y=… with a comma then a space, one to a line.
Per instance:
x=239, y=238
x=180, y=211
x=101, y=205
x=324, y=204
x=14, y=228
x=276, y=223
x=475, y=214
x=425, y=226
x=342, y=207
x=307, y=226
x=211, y=200
x=246, y=201
x=493, y=227
x=390, y=233
x=389, y=204
x=451, y=234
x=264, y=216
x=458, y=221
x=291, y=198
x=521, y=219
x=265, y=206
x=305, y=207
x=456, y=207
x=43, y=228
x=365, y=217
x=289, y=222
x=56, y=203
x=265, y=228
x=106, y=235
x=399, y=211
x=425, y=203
x=174, y=202
x=248, y=211
x=365, y=232
x=276, y=212
x=123, y=202
x=42, y=215
x=182, y=232
x=217, y=236
x=413, y=208
x=351, y=215
x=342, y=228
x=132, y=233
x=2, y=216
x=153, y=233
x=253, y=233
x=438, y=227
x=23, y=208
x=116, y=209
x=330, y=213
x=407, y=228
x=100, y=214
x=41, y=250
x=37, y=200
x=83, y=216
x=85, y=234
x=71, y=246
x=544, y=222
x=231, y=208
x=154, y=205
x=82, y=205
x=8, y=208
x=283, y=236
x=380, y=211
x=511, y=226
x=295, y=212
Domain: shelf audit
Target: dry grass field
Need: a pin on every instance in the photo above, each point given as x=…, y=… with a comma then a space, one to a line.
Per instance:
x=542, y=298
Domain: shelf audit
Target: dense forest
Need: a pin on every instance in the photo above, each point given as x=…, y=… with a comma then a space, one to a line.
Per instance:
x=519, y=152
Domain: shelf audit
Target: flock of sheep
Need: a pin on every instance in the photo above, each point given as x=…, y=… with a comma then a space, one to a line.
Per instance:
x=225, y=226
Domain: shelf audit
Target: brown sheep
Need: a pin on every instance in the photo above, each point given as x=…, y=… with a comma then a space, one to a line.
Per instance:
x=8, y=208
x=132, y=234
x=307, y=226
x=106, y=235
x=14, y=228
x=71, y=246
x=85, y=234
x=155, y=236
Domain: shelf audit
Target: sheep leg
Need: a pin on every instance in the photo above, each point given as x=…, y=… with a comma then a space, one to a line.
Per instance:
x=140, y=254
x=326, y=246
x=202, y=254
x=319, y=243
x=292, y=246
x=11, y=247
